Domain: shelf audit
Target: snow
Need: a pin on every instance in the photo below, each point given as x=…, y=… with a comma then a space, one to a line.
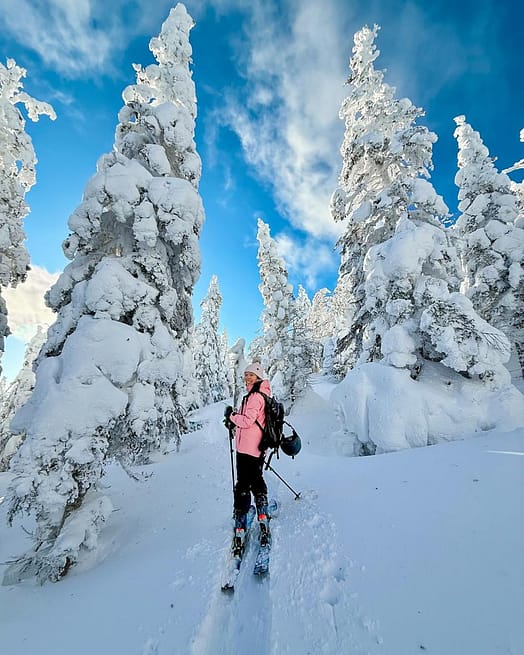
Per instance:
x=81, y=381
x=401, y=553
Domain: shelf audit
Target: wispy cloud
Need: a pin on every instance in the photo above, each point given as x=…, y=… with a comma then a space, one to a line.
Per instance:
x=287, y=116
x=78, y=38
x=25, y=303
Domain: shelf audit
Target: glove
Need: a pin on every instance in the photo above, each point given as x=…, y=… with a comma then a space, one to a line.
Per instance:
x=227, y=413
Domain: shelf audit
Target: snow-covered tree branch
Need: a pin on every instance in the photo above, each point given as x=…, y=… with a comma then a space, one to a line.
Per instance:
x=17, y=176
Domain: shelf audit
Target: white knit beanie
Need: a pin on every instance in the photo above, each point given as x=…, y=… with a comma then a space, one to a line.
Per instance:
x=257, y=369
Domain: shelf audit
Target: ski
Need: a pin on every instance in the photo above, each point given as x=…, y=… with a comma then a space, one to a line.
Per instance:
x=235, y=561
x=261, y=567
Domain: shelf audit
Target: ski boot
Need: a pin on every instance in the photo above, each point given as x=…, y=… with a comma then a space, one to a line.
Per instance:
x=239, y=535
x=263, y=523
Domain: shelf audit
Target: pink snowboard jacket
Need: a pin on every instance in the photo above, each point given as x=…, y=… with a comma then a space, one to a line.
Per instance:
x=247, y=433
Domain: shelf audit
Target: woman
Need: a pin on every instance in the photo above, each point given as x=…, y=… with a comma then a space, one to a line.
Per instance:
x=249, y=424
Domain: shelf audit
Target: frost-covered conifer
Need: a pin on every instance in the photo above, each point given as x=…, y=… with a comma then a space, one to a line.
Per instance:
x=17, y=176
x=415, y=316
x=210, y=369
x=320, y=319
x=274, y=345
x=321, y=324
x=111, y=378
x=238, y=363
x=226, y=363
x=493, y=251
x=305, y=351
x=384, y=158
x=15, y=396
x=397, y=259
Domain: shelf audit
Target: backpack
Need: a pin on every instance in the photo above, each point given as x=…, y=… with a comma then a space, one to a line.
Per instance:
x=273, y=436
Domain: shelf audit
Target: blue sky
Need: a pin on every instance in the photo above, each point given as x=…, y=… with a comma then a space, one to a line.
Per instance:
x=270, y=79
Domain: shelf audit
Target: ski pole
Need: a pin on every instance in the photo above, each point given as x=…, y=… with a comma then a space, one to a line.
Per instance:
x=268, y=466
x=231, y=455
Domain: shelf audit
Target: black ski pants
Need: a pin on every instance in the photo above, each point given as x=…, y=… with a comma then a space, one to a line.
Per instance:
x=249, y=481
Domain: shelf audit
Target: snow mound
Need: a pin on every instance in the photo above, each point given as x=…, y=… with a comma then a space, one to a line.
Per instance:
x=381, y=409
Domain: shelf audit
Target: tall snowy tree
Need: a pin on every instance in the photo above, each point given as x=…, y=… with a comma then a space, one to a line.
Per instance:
x=321, y=324
x=493, y=252
x=385, y=155
x=305, y=351
x=238, y=363
x=210, y=369
x=112, y=376
x=397, y=260
x=273, y=347
x=17, y=176
x=320, y=319
x=15, y=396
x=226, y=361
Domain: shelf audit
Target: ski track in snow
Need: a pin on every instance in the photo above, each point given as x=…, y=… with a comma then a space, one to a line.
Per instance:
x=304, y=607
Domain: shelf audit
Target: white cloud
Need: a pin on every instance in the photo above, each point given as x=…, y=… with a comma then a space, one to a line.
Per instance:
x=25, y=303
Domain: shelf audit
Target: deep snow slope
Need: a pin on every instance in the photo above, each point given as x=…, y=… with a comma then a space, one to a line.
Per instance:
x=418, y=551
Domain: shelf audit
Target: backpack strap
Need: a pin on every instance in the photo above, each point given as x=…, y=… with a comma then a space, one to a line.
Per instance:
x=266, y=398
x=256, y=389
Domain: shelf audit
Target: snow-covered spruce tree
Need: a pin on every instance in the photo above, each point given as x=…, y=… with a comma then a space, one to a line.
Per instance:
x=493, y=243
x=384, y=155
x=414, y=315
x=320, y=319
x=210, y=369
x=397, y=258
x=15, y=396
x=397, y=261
x=226, y=362
x=305, y=351
x=238, y=363
x=321, y=324
x=17, y=176
x=111, y=377
x=274, y=346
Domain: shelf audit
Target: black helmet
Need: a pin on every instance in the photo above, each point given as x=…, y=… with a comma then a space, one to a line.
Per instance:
x=291, y=445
